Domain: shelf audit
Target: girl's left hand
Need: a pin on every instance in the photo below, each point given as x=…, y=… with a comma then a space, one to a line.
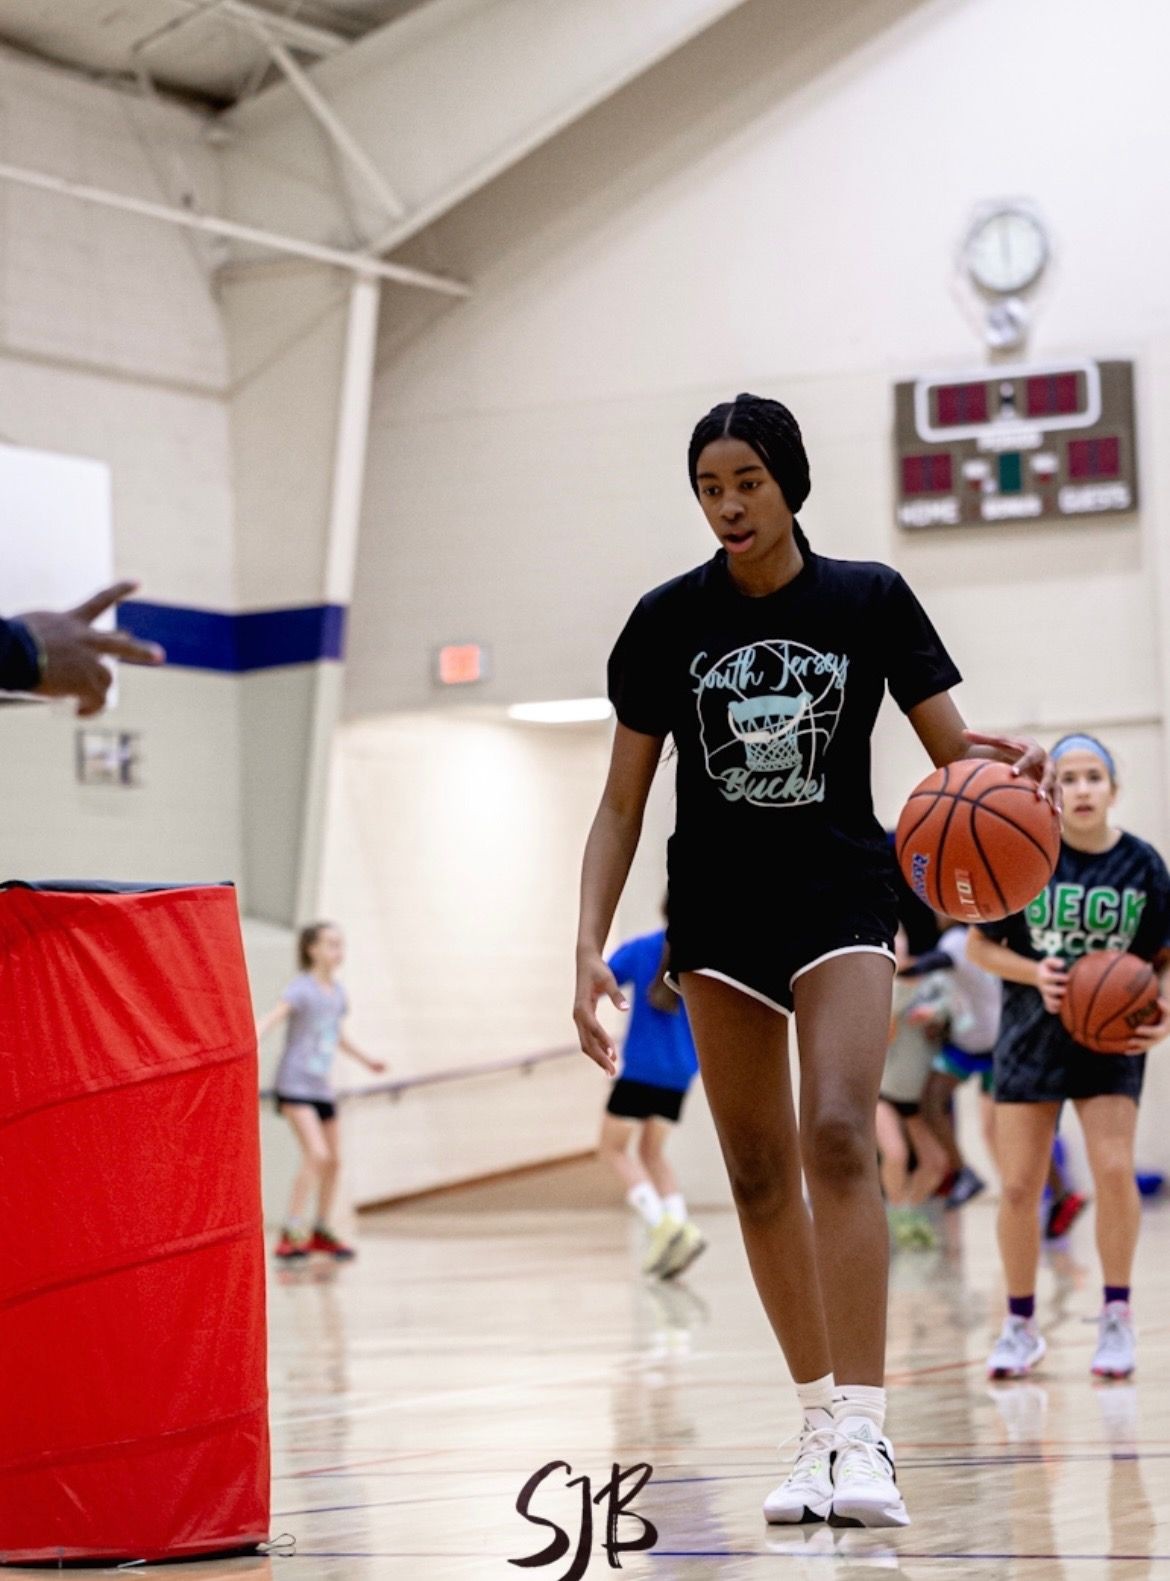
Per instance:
x=1026, y=757
x=1144, y=1037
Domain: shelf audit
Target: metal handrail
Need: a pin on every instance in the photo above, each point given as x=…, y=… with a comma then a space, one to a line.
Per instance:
x=524, y=1063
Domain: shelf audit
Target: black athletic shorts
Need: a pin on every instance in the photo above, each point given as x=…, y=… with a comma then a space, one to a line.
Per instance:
x=1051, y=1068
x=906, y=1110
x=724, y=925
x=325, y=1109
x=641, y=1100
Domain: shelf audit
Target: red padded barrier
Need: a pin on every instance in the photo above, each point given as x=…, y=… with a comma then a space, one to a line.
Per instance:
x=133, y=1397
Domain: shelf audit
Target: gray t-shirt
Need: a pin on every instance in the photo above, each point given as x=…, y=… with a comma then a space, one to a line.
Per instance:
x=311, y=1038
x=911, y=1049
x=976, y=997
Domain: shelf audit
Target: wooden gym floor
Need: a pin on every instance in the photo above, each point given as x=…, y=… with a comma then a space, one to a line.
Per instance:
x=415, y=1391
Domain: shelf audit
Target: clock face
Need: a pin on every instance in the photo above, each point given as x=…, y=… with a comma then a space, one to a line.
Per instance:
x=1006, y=250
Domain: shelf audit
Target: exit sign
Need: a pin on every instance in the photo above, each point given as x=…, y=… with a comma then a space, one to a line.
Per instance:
x=461, y=664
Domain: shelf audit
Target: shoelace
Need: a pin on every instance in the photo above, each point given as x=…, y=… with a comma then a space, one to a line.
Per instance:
x=811, y=1451
x=1016, y=1340
x=855, y=1451
x=1112, y=1333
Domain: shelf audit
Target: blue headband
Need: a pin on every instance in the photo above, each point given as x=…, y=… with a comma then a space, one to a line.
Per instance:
x=1084, y=744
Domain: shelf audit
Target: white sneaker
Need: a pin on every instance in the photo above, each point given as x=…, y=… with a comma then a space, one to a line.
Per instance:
x=1116, y=1351
x=660, y=1244
x=865, y=1488
x=686, y=1246
x=1017, y=1350
x=806, y=1494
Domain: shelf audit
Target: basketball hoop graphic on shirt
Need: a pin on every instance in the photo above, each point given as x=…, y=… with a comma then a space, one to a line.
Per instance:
x=767, y=712
x=767, y=727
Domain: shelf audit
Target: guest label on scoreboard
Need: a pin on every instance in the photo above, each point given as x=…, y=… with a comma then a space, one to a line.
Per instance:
x=1016, y=444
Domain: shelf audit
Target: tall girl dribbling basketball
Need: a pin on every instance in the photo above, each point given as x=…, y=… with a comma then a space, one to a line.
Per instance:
x=767, y=665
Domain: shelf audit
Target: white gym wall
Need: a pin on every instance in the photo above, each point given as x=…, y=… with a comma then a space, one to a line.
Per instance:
x=693, y=218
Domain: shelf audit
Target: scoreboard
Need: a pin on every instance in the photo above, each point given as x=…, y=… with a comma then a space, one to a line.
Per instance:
x=1016, y=444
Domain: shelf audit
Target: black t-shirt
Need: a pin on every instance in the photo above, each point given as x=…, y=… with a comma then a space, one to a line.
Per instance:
x=20, y=669
x=1105, y=900
x=771, y=702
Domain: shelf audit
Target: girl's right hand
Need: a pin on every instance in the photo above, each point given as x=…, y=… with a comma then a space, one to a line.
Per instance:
x=1052, y=981
x=594, y=979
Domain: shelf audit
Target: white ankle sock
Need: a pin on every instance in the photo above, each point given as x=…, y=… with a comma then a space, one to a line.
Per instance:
x=645, y=1200
x=816, y=1400
x=860, y=1400
x=675, y=1206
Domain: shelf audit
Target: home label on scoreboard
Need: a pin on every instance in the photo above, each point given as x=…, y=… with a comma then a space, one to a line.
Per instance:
x=1016, y=444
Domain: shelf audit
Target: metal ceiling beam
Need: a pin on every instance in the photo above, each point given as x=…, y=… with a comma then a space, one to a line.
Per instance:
x=214, y=226
x=494, y=78
x=324, y=113
x=286, y=30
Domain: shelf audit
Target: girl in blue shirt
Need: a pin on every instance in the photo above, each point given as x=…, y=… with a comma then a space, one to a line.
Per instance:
x=658, y=1065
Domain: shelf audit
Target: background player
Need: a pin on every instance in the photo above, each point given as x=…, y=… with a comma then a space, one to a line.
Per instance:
x=967, y=1001
x=901, y=1126
x=314, y=1006
x=658, y=1065
x=1110, y=891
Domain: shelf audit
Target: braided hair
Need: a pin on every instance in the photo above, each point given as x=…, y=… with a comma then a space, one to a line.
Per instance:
x=771, y=431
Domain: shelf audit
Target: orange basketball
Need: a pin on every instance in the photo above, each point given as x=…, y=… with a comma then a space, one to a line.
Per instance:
x=1109, y=994
x=976, y=842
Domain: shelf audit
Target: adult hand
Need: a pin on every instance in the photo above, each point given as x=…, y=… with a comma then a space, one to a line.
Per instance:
x=1052, y=981
x=72, y=650
x=595, y=979
x=1026, y=757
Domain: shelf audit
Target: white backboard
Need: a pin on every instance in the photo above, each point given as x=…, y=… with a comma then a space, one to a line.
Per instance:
x=56, y=530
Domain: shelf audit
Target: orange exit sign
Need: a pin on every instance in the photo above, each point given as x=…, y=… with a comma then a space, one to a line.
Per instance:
x=461, y=664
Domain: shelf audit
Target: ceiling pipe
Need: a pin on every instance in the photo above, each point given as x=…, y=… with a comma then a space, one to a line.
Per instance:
x=358, y=263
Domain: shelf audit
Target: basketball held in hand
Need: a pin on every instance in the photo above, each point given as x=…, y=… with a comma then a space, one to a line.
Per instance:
x=1109, y=995
x=976, y=841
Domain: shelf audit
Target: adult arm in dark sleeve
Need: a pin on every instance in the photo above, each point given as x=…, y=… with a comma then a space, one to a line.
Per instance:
x=20, y=660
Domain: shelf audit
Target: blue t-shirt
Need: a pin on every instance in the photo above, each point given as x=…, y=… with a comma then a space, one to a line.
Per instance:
x=659, y=1049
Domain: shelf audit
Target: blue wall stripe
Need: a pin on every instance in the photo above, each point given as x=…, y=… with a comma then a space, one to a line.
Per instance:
x=263, y=639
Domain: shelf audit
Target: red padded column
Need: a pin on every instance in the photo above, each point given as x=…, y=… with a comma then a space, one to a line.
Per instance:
x=133, y=1400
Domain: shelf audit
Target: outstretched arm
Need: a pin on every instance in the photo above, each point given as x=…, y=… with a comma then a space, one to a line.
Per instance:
x=70, y=650
x=275, y=1016
x=347, y=1047
x=939, y=726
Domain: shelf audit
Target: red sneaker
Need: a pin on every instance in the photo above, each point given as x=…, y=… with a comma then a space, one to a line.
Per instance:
x=289, y=1249
x=323, y=1240
x=1063, y=1215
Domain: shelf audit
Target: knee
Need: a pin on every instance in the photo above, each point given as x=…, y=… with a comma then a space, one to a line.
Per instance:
x=612, y=1148
x=648, y=1150
x=1020, y=1195
x=1113, y=1172
x=839, y=1150
x=760, y=1182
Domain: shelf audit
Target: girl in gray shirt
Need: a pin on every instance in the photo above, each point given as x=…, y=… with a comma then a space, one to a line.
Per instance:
x=313, y=1008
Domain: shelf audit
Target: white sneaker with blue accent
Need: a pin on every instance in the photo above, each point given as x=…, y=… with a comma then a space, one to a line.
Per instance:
x=1116, y=1354
x=1017, y=1350
x=865, y=1487
x=806, y=1494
